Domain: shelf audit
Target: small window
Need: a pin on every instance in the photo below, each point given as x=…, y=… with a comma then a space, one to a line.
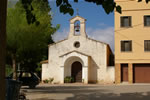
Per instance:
x=125, y=21
x=77, y=44
x=146, y=45
x=147, y=20
x=126, y=46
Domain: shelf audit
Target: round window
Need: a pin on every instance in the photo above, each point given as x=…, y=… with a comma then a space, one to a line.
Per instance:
x=77, y=44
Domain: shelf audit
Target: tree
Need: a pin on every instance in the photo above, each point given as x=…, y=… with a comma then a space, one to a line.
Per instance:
x=27, y=43
x=65, y=7
x=3, y=12
x=14, y=19
x=108, y=5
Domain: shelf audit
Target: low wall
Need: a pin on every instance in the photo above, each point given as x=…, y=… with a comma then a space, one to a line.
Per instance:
x=110, y=74
x=45, y=73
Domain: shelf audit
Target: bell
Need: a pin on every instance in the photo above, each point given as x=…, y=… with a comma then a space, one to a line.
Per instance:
x=77, y=28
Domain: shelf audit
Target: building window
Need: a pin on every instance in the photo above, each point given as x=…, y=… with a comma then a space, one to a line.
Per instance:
x=147, y=20
x=125, y=21
x=126, y=46
x=77, y=44
x=146, y=45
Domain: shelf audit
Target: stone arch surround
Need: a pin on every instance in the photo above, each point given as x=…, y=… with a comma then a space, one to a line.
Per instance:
x=67, y=61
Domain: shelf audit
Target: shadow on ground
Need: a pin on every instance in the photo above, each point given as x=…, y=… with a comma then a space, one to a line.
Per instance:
x=85, y=93
x=111, y=96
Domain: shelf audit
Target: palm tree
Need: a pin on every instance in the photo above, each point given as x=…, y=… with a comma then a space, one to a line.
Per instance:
x=3, y=12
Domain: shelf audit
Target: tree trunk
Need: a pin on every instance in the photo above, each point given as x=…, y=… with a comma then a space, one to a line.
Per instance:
x=3, y=12
x=14, y=67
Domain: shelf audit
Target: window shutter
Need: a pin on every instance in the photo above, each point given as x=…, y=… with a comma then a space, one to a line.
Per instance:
x=130, y=45
x=122, y=46
x=145, y=44
x=127, y=45
x=129, y=18
x=145, y=21
x=121, y=22
x=148, y=44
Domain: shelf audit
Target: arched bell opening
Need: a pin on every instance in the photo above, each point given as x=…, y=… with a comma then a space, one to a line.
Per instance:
x=77, y=27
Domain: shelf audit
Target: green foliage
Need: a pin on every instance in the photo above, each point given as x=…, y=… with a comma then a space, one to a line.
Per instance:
x=38, y=69
x=65, y=7
x=118, y=9
x=51, y=80
x=145, y=1
x=28, y=42
x=68, y=79
x=8, y=70
x=108, y=5
x=46, y=81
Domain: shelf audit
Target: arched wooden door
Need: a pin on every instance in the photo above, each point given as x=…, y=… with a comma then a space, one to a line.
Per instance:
x=76, y=71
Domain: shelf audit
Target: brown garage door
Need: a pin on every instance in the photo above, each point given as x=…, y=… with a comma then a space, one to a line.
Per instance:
x=141, y=73
x=124, y=72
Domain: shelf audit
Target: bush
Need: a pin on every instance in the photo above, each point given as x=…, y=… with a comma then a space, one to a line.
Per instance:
x=51, y=80
x=46, y=81
x=69, y=79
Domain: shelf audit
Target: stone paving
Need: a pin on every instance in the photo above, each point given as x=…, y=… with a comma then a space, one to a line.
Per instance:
x=88, y=92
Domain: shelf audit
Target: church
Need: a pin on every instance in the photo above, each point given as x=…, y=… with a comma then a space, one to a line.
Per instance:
x=84, y=59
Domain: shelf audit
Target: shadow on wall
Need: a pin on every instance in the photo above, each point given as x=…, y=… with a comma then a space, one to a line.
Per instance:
x=93, y=69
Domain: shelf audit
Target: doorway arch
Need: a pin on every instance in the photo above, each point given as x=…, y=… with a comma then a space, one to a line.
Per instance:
x=69, y=59
x=76, y=71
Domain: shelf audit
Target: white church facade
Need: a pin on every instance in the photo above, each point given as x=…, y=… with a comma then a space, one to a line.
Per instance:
x=86, y=60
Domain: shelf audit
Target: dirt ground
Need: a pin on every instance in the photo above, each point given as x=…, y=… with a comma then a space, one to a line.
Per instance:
x=88, y=92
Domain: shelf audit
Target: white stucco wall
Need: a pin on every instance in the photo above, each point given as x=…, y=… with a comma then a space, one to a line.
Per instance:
x=96, y=50
x=110, y=75
x=94, y=69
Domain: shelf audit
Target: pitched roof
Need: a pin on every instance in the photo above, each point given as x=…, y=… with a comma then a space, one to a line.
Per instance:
x=97, y=41
x=77, y=16
x=57, y=42
x=86, y=37
x=44, y=61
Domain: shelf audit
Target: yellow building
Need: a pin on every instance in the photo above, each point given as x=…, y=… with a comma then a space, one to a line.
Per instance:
x=132, y=42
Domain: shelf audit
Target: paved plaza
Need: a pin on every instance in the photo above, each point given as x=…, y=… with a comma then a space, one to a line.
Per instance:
x=88, y=92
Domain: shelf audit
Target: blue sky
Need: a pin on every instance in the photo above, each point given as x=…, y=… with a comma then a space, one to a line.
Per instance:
x=99, y=25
